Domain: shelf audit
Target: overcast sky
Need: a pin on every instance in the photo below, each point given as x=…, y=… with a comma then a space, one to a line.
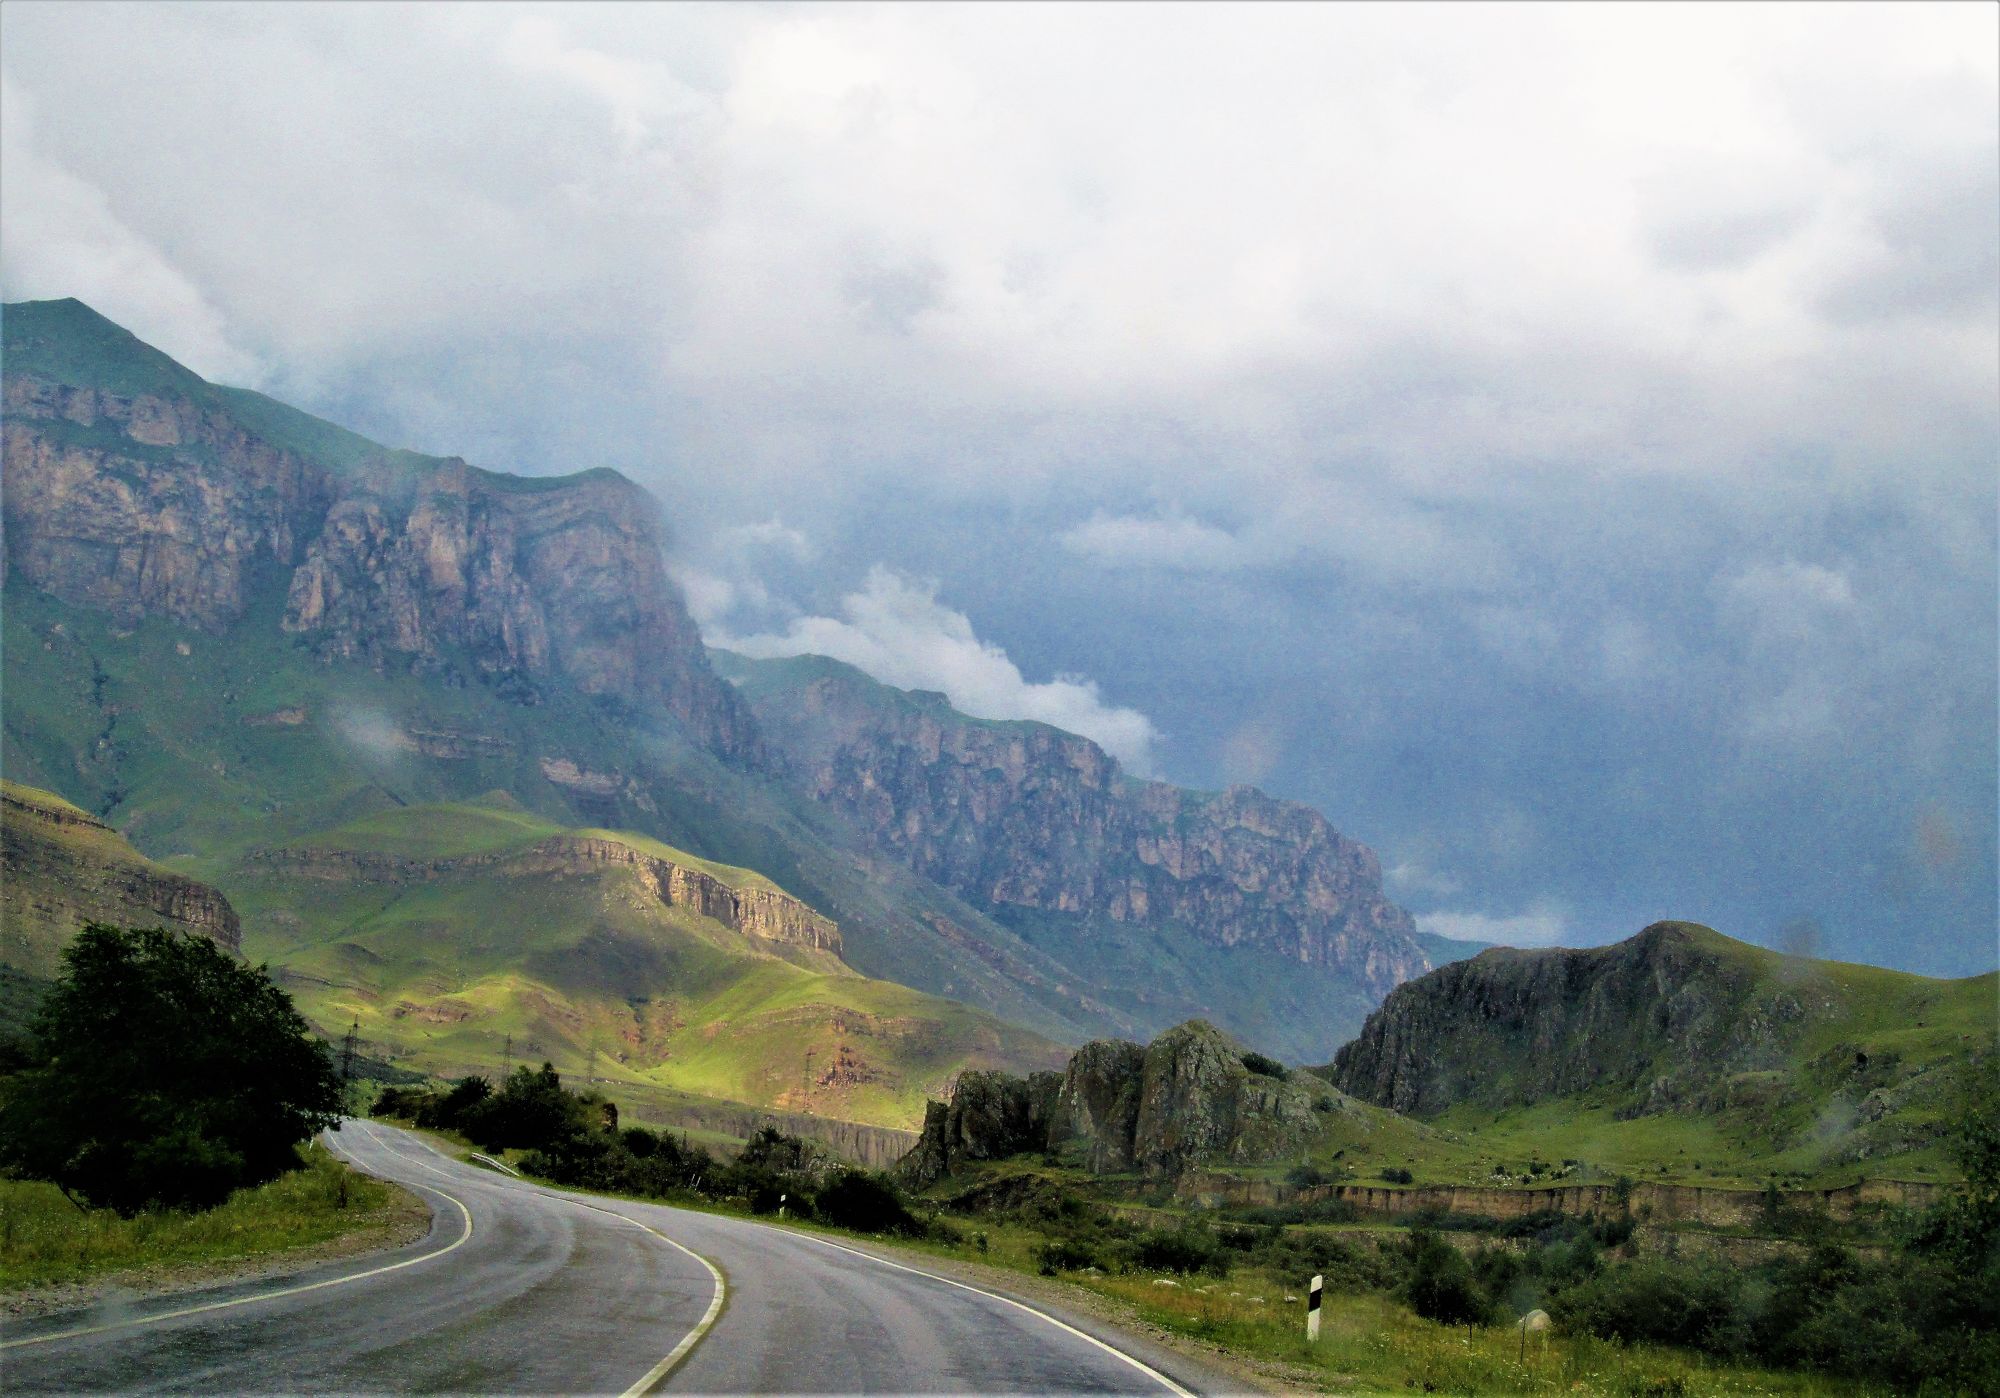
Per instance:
x=1560, y=443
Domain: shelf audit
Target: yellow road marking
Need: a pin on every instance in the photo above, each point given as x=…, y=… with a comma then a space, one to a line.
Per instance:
x=652, y=1377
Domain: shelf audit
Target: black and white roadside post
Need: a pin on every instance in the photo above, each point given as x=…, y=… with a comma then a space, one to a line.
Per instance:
x=1312, y=1311
x=781, y=1205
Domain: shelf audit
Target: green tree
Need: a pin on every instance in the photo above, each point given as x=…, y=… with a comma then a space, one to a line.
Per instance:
x=170, y=1074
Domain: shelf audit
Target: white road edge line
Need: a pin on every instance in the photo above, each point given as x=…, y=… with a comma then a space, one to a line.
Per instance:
x=459, y=1242
x=1148, y=1370
x=652, y=1377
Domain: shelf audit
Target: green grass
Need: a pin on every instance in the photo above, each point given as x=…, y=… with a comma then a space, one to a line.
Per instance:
x=44, y=1238
x=587, y=968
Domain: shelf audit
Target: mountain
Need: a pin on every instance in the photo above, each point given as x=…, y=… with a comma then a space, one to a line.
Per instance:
x=443, y=930
x=1258, y=912
x=139, y=489
x=228, y=624
x=1827, y=1061
x=60, y=868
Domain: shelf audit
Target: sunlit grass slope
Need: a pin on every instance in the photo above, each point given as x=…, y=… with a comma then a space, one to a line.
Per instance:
x=454, y=943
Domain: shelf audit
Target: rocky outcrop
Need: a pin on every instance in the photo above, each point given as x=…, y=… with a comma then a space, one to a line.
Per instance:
x=1185, y=1100
x=753, y=910
x=147, y=506
x=1021, y=815
x=134, y=487
x=61, y=868
x=1660, y=1020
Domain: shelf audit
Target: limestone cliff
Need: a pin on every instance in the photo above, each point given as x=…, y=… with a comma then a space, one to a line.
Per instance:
x=1024, y=816
x=60, y=868
x=135, y=487
x=1185, y=1100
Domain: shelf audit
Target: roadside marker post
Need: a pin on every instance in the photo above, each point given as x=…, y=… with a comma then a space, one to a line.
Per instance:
x=1312, y=1310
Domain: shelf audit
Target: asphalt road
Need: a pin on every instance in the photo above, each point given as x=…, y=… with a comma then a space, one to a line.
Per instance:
x=524, y=1289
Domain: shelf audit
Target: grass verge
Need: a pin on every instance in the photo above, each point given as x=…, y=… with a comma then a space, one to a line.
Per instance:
x=45, y=1240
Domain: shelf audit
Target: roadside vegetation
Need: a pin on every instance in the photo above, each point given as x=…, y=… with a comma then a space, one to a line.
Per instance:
x=1408, y=1307
x=45, y=1238
x=158, y=1117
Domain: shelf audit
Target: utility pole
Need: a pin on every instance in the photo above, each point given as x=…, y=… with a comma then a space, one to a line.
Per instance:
x=507, y=1061
x=347, y=1047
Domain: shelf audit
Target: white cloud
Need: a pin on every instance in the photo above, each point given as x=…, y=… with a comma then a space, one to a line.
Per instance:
x=63, y=239
x=1542, y=924
x=896, y=629
x=1169, y=542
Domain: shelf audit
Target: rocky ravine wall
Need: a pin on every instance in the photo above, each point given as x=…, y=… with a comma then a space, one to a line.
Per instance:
x=167, y=506
x=1028, y=816
x=1662, y=1203
x=755, y=912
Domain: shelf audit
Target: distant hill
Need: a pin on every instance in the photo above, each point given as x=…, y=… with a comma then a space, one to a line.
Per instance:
x=1805, y=1063
x=445, y=929
x=61, y=867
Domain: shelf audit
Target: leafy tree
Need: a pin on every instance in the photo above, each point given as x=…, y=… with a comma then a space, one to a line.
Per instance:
x=1439, y=1284
x=170, y=1074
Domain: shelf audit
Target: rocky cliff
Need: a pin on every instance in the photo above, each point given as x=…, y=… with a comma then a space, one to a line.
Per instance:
x=1185, y=1100
x=137, y=488
x=60, y=868
x=1026, y=817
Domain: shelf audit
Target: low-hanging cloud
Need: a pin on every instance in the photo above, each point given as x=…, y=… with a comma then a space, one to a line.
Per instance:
x=1543, y=924
x=895, y=628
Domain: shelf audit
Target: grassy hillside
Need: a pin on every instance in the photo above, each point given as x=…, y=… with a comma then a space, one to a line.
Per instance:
x=60, y=868
x=1679, y=1054
x=442, y=961
x=199, y=745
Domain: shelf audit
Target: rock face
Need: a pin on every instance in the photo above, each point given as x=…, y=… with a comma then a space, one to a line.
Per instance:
x=1658, y=1018
x=60, y=868
x=763, y=913
x=1021, y=815
x=135, y=487
x=1185, y=1100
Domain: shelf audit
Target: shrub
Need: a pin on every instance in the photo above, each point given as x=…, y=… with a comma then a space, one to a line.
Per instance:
x=1692, y=1304
x=1184, y=1250
x=1395, y=1174
x=1266, y=1067
x=170, y=1075
x=1439, y=1284
x=1065, y=1255
x=867, y=1203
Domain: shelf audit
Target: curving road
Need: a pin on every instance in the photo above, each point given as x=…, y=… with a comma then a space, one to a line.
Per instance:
x=524, y=1289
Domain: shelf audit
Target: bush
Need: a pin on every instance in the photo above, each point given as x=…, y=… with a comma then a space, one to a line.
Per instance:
x=1266, y=1067
x=1439, y=1284
x=1695, y=1305
x=1065, y=1255
x=1395, y=1174
x=1185, y=1250
x=867, y=1203
x=170, y=1075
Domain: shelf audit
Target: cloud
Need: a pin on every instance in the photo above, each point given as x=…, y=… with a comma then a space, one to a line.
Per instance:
x=1172, y=542
x=1544, y=924
x=63, y=239
x=896, y=629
